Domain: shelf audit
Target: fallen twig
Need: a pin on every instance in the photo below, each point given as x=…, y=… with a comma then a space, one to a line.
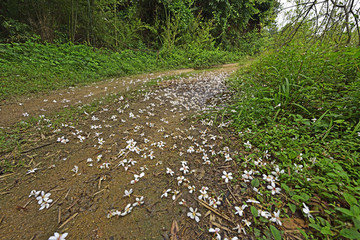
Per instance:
x=6, y=175
x=214, y=210
x=68, y=220
x=59, y=215
x=41, y=146
x=98, y=192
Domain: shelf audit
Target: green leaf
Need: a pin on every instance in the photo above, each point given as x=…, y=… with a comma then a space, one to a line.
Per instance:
x=346, y=211
x=303, y=233
x=255, y=182
x=254, y=211
x=285, y=187
x=275, y=232
x=326, y=230
x=315, y=226
x=350, y=233
x=350, y=199
x=292, y=207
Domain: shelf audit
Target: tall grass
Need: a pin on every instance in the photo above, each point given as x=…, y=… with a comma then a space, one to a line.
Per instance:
x=303, y=105
x=31, y=67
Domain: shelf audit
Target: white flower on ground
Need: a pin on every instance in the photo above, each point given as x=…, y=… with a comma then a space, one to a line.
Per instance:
x=252, y=201
x=139, y=201
x=277, y=171
x=63, y=140
x=31, y=170
x=203, y=194
x=247, y=223
x=193, y=214
x=227, y=157
x=169, y=171
x=43, y=197
x=214, y=201
x=257, y=191
x=165, y=194
x=137, y=178
x=127, y=210
x=268, y=178
x=180, y=179
x=191, y=188
x=112, y=213
x=227, y=176
x=175, y=193
x=75, y=169
x=273, y=188
x=183, y=202
x=45, y=204
x=34, y=193
x=240, y=228
x=216, y=231
x=128, y=193
x=247, y=176
x=264, y=214
x=191, y=149
x=276, y=218
x=248, y=145
x=58, y=236
x=306, y=210
x=298, y=167
x=240, y=210
x=184, y=169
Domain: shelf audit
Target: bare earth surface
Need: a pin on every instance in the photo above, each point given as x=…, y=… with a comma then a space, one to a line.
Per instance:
x=14, y=110
x=133, y=170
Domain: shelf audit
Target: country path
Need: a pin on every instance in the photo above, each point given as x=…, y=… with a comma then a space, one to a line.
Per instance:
x=132, y=170
x=21, y=108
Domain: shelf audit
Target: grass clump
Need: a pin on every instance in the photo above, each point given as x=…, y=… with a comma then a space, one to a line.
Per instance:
x=302, y=106
x=31, y=67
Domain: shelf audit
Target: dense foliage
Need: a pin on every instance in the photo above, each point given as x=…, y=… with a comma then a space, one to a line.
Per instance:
x=120, y=24
x=33, y=67
x=302, y=104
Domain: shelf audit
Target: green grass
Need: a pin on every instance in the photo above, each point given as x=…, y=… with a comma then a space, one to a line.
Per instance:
x=31, y=67
x=303, y=106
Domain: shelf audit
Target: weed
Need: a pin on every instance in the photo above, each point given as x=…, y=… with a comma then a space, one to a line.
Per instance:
x=303, y=107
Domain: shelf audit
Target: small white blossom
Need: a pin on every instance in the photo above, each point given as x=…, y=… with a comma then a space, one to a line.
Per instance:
x=193, y=214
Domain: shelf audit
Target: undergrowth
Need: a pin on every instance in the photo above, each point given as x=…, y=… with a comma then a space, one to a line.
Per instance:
x=31, y=67
x=303, y=106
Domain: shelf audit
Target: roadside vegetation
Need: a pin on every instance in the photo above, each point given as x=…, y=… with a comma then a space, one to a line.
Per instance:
x=301, y=104
x=33, y=67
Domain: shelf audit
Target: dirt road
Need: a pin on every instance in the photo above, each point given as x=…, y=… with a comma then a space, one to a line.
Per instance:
x=128, y=171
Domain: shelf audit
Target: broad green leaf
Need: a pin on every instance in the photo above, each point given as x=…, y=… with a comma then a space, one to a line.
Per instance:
x=255, y=182
x=315, y=226
x=350, y=199
x=254, y=211
x=350, y=233
x=326, y=230
x=346, y=211
x=275, y=232
x=292, y=207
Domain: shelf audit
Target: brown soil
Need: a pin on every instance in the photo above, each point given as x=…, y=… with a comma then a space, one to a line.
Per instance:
x=82, y=201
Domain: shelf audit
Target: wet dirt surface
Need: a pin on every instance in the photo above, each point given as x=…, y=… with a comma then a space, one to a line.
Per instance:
x=135, y=169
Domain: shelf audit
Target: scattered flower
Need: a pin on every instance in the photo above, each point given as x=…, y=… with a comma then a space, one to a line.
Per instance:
x=227, y=176
x=193, y=214
x=58, y=236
